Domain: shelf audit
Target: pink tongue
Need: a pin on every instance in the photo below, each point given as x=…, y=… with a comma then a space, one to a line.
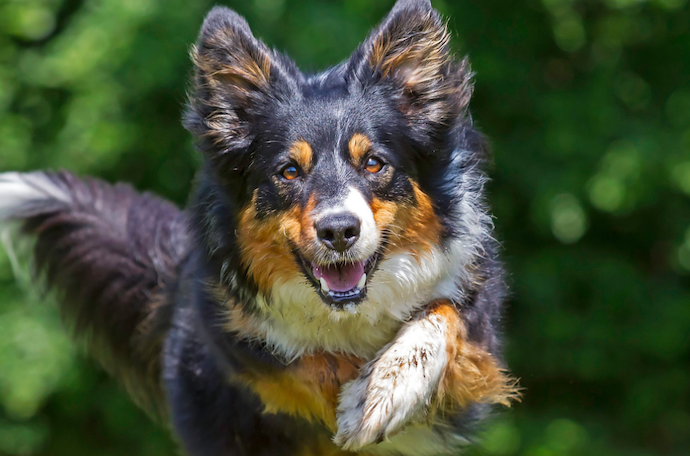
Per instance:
x=340, y=278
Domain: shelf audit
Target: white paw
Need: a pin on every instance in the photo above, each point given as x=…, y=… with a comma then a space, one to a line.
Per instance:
x=393, y=390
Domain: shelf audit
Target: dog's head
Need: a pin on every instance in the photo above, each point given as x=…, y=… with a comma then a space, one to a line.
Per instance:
x=334, y=180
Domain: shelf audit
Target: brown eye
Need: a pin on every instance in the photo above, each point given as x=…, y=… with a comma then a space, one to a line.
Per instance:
x=373, y=165
x=290, y=172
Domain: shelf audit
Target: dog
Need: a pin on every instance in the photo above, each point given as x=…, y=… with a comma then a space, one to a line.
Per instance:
x=333, y=287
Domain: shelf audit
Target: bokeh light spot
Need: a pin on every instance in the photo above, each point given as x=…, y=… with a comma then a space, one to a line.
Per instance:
x=568, y=218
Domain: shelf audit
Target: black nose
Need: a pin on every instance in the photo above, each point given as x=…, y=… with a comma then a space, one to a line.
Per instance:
x=338, y=231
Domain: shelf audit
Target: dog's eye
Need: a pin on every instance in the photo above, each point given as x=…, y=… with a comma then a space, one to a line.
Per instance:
x=290, y=172
x=373, y=165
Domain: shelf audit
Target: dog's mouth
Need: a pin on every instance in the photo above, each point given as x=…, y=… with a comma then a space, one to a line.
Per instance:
x=342, y=283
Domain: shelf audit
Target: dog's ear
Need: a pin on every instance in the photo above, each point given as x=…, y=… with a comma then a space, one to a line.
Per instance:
x=410, y=50
x=236, y=75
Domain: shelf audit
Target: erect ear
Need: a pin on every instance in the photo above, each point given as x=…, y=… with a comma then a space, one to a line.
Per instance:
x=236, y=75
x=410, y=49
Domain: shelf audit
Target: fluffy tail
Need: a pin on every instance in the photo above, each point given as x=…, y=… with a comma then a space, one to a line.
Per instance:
x=111, y=254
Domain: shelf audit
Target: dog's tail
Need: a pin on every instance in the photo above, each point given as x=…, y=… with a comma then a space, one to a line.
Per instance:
x=111, y=255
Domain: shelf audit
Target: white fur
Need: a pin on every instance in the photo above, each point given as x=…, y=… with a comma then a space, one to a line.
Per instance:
x=297, y=321
x=368, y=234
x=396, y=387
x=369, y=237
x=17, y=193
x=17, y=189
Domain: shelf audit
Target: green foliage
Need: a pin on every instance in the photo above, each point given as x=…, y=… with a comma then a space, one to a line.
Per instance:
x=587, y=104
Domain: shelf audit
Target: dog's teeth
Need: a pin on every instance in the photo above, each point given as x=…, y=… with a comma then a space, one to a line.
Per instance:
x=362, y=282
x=324, y=285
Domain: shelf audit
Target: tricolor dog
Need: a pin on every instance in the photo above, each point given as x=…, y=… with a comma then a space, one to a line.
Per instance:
x=333, y=286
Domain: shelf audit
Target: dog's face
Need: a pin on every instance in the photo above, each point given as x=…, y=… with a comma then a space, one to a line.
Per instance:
x=329, y=176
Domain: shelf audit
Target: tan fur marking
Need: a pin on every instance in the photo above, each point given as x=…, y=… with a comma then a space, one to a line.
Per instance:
x=358, y=146
x=308, y=387
x=301, y=229
x=264, y=248
x=238, y=322
x=384, y=212
x=242, y=69
x=472, y=374
x=420, y=56
x=416, y=226
x=302, y=153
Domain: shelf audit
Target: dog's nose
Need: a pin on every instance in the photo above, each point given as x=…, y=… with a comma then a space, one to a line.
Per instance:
x=338, y=231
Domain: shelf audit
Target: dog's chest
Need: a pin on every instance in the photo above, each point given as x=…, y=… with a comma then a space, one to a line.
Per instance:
x=307, y=388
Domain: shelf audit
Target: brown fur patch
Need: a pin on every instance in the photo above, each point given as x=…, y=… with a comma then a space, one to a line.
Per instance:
x=358, y=146
x=302, y=153
x=422, y=226
x=299, y=227
x=415, y=227
x=417, y=58
x=237, y=321
x=472, y=374
x=264, y=248
x=384, y=212
x=233, y=61
x=308, y=387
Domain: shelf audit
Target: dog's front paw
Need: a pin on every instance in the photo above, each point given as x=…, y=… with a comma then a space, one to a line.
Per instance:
x=390, y=393
x=364, y=416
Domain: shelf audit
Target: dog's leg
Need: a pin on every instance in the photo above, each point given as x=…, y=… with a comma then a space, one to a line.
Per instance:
x=429, y=365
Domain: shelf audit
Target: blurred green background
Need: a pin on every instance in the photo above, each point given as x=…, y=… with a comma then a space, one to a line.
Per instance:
x=587, y=103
